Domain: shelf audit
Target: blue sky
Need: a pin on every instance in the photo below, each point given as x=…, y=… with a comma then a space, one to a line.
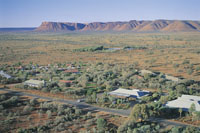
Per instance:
x=30, y=13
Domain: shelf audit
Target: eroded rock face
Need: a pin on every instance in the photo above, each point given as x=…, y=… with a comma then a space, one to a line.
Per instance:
x=133, y=25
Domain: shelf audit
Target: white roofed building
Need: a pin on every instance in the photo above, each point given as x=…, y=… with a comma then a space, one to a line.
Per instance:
x=3, y=74
x=135, y=93
x=143, y=72
x=185, y=102
x=171, y=78
x=34, y=83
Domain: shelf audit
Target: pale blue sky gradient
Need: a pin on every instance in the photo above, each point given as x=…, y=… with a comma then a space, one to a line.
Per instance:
x=30, y=13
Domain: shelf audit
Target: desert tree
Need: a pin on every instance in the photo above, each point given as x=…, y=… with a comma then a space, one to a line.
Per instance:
x=139, y=113
x=101, y=125
x=49, y=114
x=192, y=110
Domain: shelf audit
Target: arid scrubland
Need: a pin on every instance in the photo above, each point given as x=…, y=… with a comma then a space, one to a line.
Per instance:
x=171, y=53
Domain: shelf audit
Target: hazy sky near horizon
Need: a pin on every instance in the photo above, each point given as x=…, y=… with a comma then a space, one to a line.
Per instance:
x=30, y=13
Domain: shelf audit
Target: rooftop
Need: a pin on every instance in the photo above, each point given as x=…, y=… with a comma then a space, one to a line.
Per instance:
x=147, y=72
x=172, y=78
x=2, y=73
x=32, y=81
x=129, y=93
x=184, y=102
x=66, y=81
x=72, y=71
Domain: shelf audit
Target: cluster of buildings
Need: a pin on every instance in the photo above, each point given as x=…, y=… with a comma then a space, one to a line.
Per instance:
x=70, y=68
x=184, y=102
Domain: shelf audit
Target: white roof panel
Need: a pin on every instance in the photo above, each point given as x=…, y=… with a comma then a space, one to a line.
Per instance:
x=185, y=101
x=32, y=81
x=2, y=73
x=124, y=92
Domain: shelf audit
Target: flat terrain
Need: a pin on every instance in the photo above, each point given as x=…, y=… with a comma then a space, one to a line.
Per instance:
x=171, y=53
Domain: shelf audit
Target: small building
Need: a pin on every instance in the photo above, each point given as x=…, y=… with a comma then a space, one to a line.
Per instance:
x=138, y=76
x=185, y=102
x=66, y=82
x=143, y=72
x=70, y=66
x=34, y=83
x=124, y=93
x=171, y=78
x=3, y=74
x=44, y=67
x=61, y=69
x=19, y=68
x=72, y=71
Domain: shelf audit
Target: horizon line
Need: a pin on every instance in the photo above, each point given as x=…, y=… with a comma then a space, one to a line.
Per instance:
x=103, y=22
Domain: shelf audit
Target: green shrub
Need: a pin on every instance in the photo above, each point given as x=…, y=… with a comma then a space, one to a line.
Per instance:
x=27, y=109
x=33, y=102
x=49, y=114
x=101, y=124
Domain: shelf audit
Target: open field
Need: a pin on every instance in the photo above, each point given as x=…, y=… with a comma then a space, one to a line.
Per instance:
x=171, y=53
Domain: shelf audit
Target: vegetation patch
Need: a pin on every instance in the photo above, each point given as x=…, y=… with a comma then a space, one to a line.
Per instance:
x=89, y=49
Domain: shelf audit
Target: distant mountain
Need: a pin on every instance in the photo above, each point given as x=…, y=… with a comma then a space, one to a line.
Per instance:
x=133, y=25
